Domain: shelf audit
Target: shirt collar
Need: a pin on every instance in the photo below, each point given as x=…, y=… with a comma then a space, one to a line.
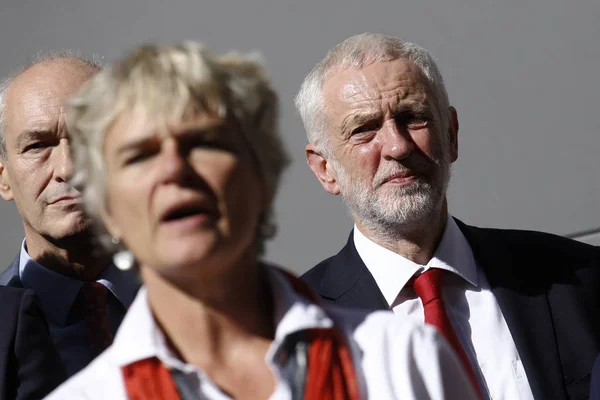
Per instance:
x=140, y=337
x=57, y=292
x=391, y=271
x=454, y=254
x=123, y=284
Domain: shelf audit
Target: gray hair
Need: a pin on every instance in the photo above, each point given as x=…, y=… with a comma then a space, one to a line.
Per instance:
x=170, y=83
x=40, y=58
x=357, y=52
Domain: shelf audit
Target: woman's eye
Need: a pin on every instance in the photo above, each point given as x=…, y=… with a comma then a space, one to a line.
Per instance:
x=136, y=158
x=217, y=144
x=205, y=142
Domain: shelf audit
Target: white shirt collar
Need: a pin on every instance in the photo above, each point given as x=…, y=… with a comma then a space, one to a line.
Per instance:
x=57, y=292
x=391, y=271
x=139, y=336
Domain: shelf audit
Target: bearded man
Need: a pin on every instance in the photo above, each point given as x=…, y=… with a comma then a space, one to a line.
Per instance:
x=521, y=309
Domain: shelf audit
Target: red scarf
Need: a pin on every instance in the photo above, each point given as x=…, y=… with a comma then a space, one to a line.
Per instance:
x=330, y=375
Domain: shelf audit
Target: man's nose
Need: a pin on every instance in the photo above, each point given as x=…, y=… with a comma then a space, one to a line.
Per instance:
x=396, y=143
x=64, y=168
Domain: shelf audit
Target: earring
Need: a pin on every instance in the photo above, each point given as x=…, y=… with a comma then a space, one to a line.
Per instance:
x=267, y=230
x=123, y=260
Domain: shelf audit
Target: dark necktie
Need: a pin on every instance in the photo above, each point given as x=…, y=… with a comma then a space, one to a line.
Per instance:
x=428, y=287
x=96, y=317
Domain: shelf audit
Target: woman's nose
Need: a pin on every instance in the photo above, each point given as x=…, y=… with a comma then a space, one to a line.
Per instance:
x=173, y=164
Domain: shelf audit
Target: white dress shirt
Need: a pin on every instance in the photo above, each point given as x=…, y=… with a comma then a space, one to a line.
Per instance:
x=470, y=304
x=394, y=359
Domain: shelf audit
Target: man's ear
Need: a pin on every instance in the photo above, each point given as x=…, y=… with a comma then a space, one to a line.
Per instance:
x=322, y=169
x=5, y=189
x=453, y=134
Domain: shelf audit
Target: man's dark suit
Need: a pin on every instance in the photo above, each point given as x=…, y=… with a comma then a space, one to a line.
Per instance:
x=548, y=289
x=68, y=331
x=30, y=366
x=10, y=276
x=595, y=387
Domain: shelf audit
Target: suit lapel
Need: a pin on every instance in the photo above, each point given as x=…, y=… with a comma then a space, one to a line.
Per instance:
x=10, y=276
x=524, y=304
x=349, y=283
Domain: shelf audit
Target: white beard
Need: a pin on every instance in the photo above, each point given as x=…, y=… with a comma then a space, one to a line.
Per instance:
x=389, y=209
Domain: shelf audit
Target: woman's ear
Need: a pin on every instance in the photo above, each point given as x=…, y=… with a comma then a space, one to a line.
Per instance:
x=110, y=224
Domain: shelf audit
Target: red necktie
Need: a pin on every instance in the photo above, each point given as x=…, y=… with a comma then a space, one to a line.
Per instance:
x=428, y=286
x=96, y=317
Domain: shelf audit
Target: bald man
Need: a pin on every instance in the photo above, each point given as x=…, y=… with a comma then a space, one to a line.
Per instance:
x=84, y=297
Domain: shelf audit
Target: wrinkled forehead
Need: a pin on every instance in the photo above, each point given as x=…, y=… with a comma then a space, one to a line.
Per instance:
x=346, y=84
x=377, y=83
x=36, y=99
x=33, y=107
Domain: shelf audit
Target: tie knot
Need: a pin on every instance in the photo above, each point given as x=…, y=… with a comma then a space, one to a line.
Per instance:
x=428, y=285
x=93, y=293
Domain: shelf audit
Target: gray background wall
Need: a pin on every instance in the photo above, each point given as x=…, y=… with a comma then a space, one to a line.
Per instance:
x=522, y=74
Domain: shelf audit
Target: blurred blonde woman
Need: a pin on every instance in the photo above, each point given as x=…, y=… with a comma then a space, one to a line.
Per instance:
x=179, y=159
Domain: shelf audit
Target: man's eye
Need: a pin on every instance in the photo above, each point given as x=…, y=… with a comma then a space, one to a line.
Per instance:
x=37, y=146
x=417, y=123
x=412, y=121
x=364, y=129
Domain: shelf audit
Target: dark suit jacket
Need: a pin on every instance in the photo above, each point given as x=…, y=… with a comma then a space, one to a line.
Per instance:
x=10, y=276
x=595, y=387
x=30, y=366
x=547, y=286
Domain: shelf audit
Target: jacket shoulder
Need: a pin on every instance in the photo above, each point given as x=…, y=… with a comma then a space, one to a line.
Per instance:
x=539, y=243
x=10, y=276
x=314, y=276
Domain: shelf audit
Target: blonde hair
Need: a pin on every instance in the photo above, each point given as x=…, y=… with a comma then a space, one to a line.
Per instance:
x=168, y=83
